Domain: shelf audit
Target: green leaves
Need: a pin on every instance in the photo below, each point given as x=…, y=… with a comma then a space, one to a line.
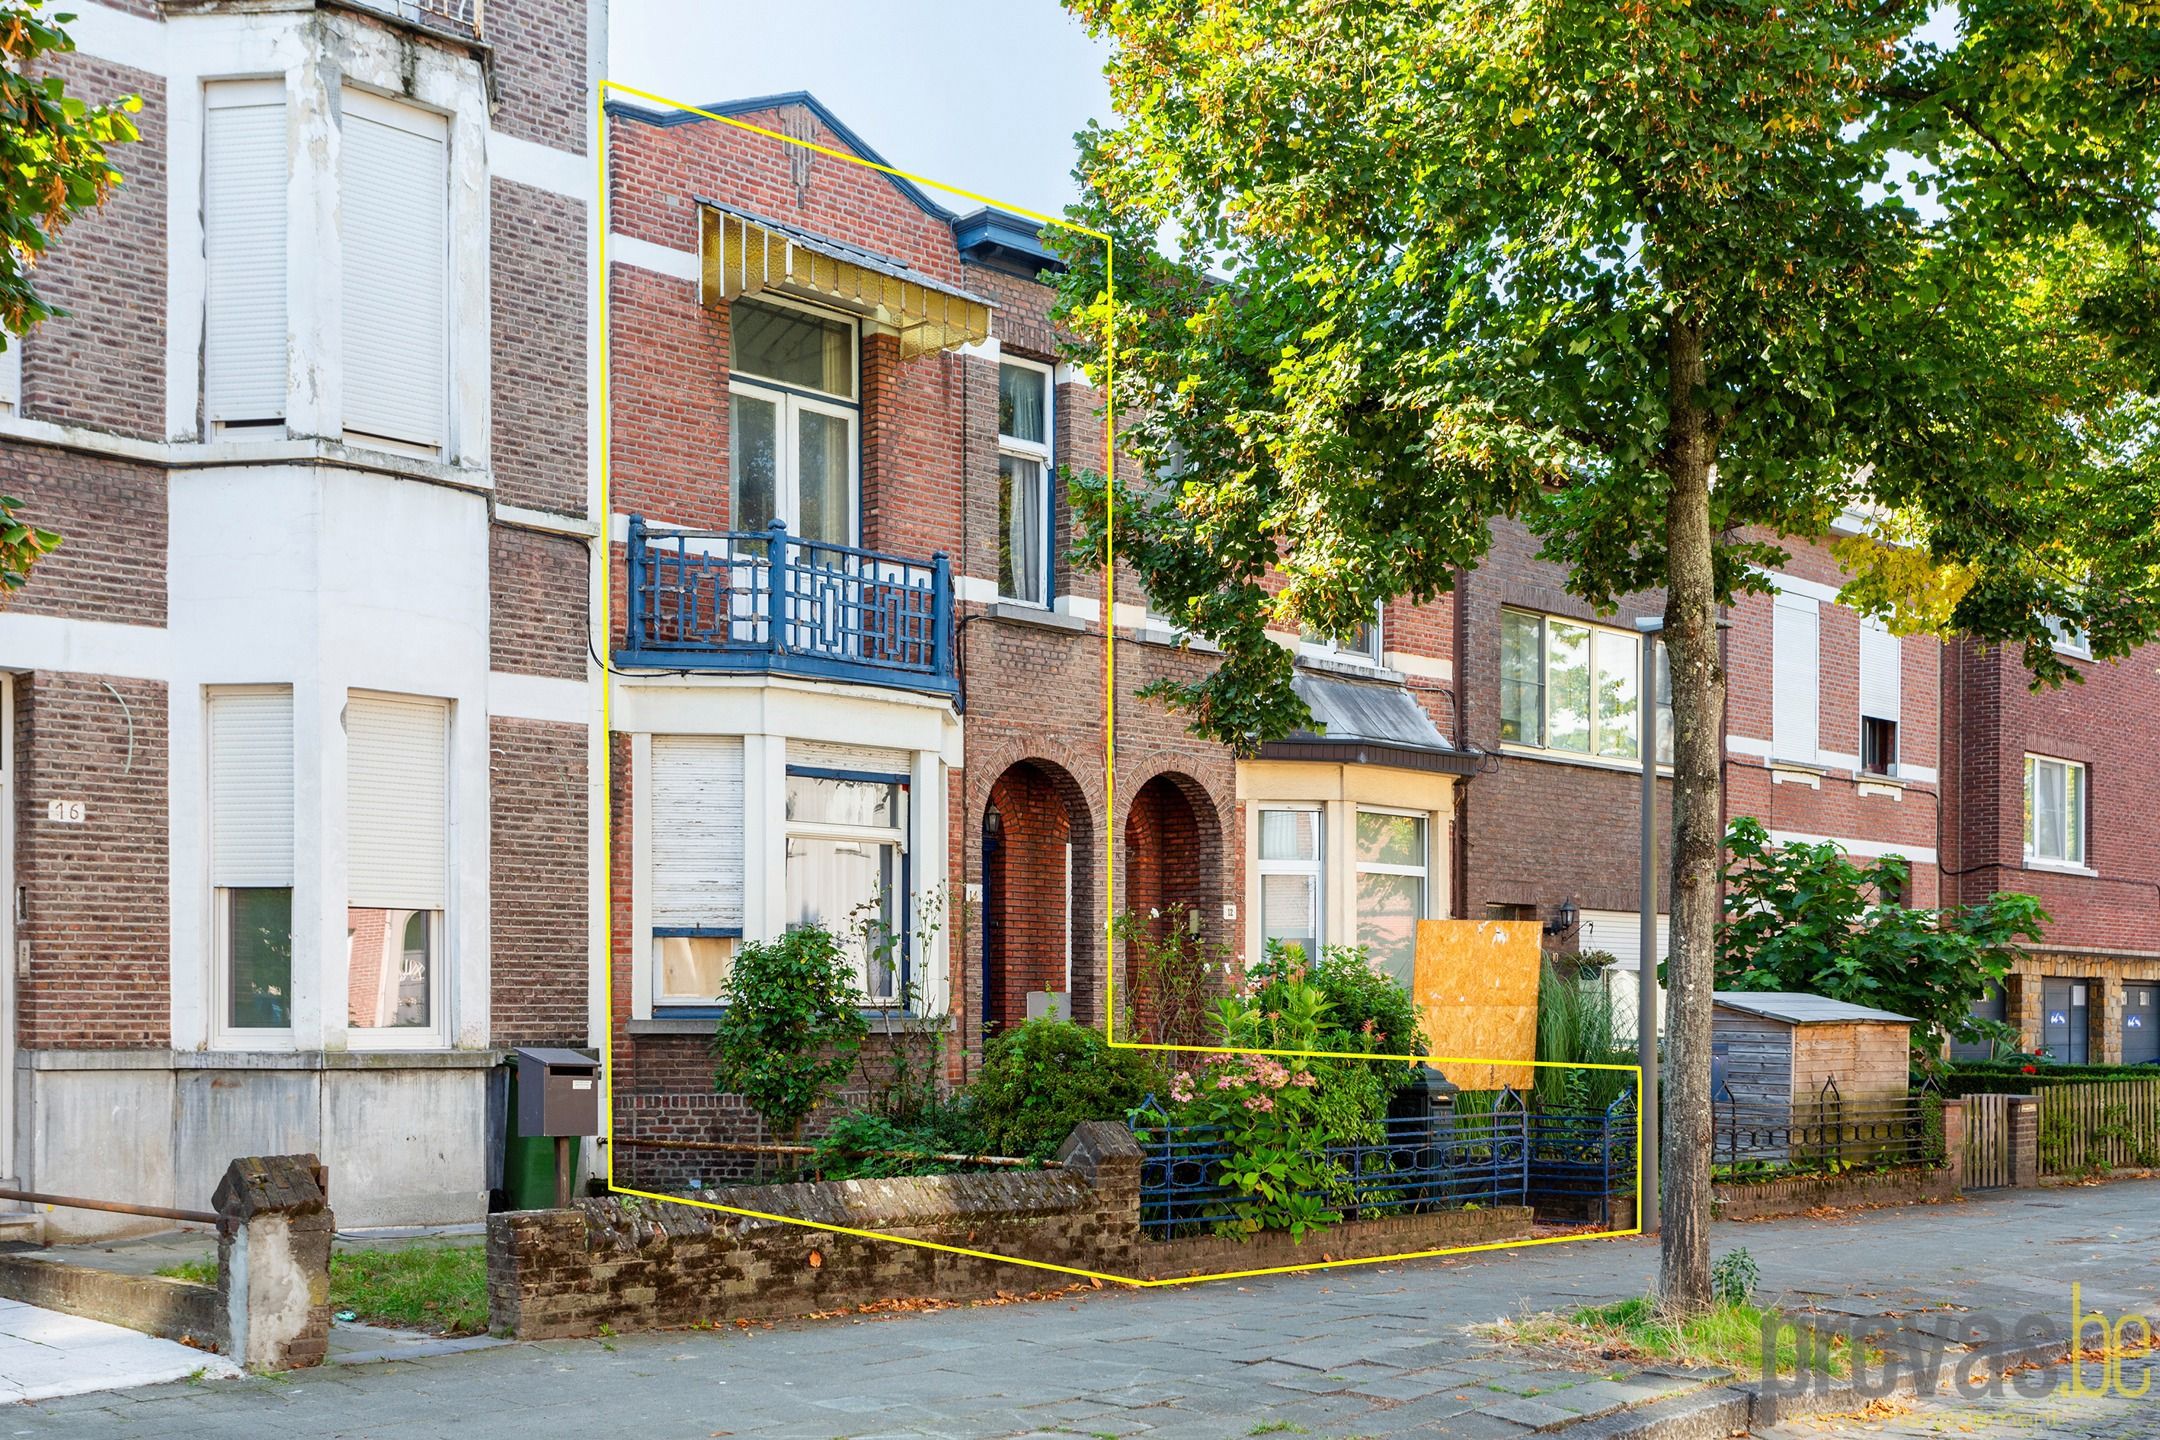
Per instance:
x=1804, y=917
x=21, y=545
x=1458, y=238
x=792, y=1026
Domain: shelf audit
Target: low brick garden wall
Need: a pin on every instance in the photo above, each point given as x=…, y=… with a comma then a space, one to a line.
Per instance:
x=1801, y=1193
x=632, y=1264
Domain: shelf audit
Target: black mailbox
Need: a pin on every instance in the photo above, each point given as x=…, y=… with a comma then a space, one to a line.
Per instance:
x=558, y=1093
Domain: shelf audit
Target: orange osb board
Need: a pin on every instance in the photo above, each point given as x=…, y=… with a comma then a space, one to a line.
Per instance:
x=1476, y=987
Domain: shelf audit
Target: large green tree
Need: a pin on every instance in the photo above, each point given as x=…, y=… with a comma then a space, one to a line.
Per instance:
x=1665, y=280
x=52, y=167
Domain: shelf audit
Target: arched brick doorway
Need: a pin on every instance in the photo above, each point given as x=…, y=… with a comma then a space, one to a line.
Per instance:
x=1038, y=898
x=1173, y=876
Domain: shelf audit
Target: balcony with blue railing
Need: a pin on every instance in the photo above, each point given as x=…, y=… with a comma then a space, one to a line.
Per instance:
x=766, y=601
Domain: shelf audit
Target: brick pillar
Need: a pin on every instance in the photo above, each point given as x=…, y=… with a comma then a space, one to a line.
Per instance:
x=2021, y=1007
x=2106, y=1018
x=2024, y=1141
x=1104, y=1154
x=1953, y=1134
x=274, y=1231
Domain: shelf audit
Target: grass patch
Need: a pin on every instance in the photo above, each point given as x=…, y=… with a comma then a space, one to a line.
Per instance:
x=1729, y=1336
x=442, y=1288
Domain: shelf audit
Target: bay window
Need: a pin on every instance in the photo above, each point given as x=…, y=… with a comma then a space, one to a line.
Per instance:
x=1391, y=875
x=1290, y=877
x=251, y=856
x=1025, y=398
x=397, y=866
x=697, y=866
x=845, y=868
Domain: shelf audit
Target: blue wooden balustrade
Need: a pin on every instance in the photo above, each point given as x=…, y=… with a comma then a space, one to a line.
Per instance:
x=765, y=600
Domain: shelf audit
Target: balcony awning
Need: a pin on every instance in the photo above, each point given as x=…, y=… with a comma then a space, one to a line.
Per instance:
x=1367, y=722
x=745, y=254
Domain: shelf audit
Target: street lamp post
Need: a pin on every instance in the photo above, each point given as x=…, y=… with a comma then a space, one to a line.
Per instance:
x=1646, y=986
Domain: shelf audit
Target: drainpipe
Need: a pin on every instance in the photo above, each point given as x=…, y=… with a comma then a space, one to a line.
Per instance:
x=1460, y=858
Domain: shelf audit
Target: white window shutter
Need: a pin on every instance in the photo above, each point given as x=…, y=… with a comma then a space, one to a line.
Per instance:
x=697, y=831
x=1880, y=656
x=395, y=208
x=251, y=789
x=1619, y=934
x=244, y=177
x=397, y=807
x=1795, y=666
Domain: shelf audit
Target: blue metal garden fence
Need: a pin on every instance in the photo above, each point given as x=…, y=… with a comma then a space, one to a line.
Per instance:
x=1510, y=1154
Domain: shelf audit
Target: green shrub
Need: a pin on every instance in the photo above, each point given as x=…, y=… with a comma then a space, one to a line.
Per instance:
x=1575, y=1027
x=866, y=1145
x=1040, y=1079
x=792, y=1026
x=2027, y=1077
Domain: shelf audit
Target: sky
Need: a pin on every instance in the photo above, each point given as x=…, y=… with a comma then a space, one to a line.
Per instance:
x=982, y=94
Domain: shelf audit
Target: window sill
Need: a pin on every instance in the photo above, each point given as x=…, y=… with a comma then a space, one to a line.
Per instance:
x=1349, y=669
x=2060, y=867
x=1020, y=613
x=1172, y=640
x=1588, y=762
x=703, y=1024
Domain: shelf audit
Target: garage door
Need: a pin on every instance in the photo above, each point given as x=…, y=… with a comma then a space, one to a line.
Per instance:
x=2141, y=1023
x=2064, y=1021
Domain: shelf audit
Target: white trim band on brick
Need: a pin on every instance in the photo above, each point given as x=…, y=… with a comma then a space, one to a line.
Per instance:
x=85, y=647
x=660, y=259
x=541, y=697
x=1797, y=585
x=543, y=167
x=1421, y=667
x=1747, y=745
x=1865, y=849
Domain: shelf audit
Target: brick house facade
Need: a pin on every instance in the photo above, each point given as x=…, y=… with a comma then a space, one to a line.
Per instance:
x=2052, y=793
x=940, y=657
x=297, y=719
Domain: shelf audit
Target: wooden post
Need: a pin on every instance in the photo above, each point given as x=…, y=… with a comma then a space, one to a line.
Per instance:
x=562, y=1172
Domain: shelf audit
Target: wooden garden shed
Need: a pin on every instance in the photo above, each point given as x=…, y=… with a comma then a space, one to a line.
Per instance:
x=1772, y=1049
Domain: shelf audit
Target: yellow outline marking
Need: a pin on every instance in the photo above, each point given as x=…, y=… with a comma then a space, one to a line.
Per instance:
x=607, y=829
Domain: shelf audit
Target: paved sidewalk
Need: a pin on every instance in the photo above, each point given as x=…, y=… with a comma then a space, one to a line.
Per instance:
x=45, y=1354
x=1373, y=1352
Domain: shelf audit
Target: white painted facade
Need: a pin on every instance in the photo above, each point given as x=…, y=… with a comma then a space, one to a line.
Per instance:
x=302, y=558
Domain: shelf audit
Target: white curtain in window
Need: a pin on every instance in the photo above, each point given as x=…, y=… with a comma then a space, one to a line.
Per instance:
x=395, y=207
x=397, y=815
x=244, y=178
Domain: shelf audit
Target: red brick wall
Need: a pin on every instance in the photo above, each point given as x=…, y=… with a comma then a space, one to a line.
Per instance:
x=96, y=901
x=2105, y=723
x=537, y=591
x=103, y=364
x=111, y=518
x=537, y=882
x=539, y=70
x=539, y=291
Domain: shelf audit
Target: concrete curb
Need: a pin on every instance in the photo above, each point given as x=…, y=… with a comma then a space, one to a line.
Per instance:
x=1724, y=1409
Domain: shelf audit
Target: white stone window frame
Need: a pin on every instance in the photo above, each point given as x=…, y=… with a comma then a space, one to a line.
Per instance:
x=1042, y=455
x=2075, y=825
x=445, y=954
x=223, y=1034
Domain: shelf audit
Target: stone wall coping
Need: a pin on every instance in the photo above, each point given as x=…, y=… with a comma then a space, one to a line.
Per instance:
x=177, y=1060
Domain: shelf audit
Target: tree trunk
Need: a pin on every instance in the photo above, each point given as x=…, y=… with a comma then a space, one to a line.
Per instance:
x=1698, y=686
